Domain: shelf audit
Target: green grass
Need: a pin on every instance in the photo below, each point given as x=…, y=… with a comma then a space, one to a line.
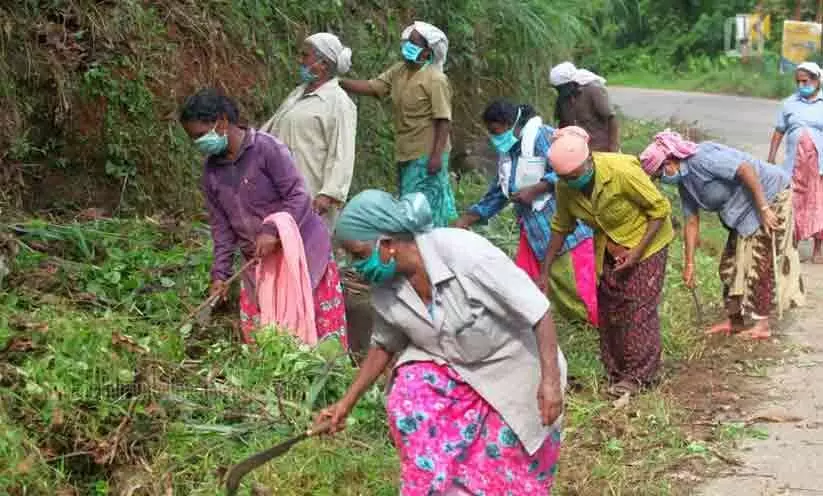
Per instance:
x=758, y=78
x=94, y=329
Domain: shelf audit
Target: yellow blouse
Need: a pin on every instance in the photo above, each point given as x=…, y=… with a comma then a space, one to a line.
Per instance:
x=623, y=201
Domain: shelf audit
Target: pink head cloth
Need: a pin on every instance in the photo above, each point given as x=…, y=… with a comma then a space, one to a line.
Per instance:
x=570, y=148
x=666, y=145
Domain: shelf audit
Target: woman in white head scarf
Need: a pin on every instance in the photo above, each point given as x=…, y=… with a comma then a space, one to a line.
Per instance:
x=582, y=100
x=421, y=102
x=801, y=121
x=323, y=147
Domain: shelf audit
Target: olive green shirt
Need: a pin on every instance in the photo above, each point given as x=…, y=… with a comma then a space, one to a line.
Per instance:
x=484, y=311
x=623, y=201
x=418, y=99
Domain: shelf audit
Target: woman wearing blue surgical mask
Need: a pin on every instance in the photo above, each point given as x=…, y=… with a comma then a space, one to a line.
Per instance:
x=753, y=200
x=421, y=98
x=477, y=390
x=801, y=121
x=632, y=224
x=525, y=178
x=318, y=122
x=252, y=189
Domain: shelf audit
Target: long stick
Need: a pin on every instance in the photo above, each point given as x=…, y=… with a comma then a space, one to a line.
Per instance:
x=775, y=266
x=211, y=300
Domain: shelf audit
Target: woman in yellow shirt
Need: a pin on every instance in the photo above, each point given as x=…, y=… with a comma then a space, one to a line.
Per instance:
x=632, y=224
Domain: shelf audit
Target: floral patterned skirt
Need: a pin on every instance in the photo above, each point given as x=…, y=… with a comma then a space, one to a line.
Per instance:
x=329, y=308
x=451, y=441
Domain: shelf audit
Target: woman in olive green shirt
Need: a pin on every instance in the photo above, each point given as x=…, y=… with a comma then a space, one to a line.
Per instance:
x=421, y=103
x=632, y=224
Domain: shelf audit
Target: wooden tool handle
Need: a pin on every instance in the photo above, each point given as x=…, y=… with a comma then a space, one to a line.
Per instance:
x=320, y=428
x=212, y=300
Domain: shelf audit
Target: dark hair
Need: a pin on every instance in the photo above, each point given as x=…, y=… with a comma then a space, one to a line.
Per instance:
x=506, y=112
x=208, y=105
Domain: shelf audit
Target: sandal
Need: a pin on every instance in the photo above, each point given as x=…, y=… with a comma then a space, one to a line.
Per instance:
x=622, y=388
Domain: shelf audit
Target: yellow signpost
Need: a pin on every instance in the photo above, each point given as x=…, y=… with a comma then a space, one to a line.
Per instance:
x=801, y=41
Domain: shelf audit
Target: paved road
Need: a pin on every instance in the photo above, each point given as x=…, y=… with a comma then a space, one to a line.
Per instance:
x=790, y=462
x=744, y=123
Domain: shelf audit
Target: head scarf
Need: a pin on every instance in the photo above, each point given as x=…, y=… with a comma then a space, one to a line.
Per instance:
x=666, y=145
x=434, y=37
x=374, y=213
x=570, y=148
x=331, y=48
x=812, y=68
x=567, y=73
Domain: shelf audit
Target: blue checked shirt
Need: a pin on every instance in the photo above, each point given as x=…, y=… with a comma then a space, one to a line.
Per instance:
x=536, y=224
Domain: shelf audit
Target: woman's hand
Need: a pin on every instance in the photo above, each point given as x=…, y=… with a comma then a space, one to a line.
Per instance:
x=528, y=195
x=627, y=260
x=688, y=275
x=550, y=400
x=265, y=245
x=219, y=287
x=769, y=218
x=322, y=204
x=336, y=415
x=435, y=164
x=466, y=220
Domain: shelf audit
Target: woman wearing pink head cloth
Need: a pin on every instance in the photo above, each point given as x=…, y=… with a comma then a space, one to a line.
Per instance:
x=754, y=202
x=632, y=224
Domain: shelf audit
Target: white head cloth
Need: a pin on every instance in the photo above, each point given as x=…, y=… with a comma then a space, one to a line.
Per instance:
x=812, y=68
x=434, y=37
x=568, y=73
x=331, y=48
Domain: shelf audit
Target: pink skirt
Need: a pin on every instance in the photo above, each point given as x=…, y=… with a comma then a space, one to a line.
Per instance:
x=329, y=309
x=451, y=441
x=807, y=188
x=574, y=278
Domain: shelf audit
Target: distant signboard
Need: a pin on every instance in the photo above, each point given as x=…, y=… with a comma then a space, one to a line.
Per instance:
x=801, y=42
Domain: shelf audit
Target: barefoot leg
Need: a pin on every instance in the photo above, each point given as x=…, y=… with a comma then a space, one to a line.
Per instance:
x=760, y=330
x=724, y=327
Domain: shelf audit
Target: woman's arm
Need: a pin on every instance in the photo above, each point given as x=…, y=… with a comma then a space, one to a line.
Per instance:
x=359, y=87
x=691, y=232
x=748, y=176
x=614, y=134
x=550, y=394
x=490, y=205
x=442, y=127
x=372, y=367
x=640, y=190
x=777, y=137
x=224, y=240
x=555, y=245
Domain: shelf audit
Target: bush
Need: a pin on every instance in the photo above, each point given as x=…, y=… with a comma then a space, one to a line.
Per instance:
x=92, y=88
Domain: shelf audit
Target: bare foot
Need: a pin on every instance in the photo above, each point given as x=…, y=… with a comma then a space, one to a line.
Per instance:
x=817, y=259
x=724, y=327
x=758, y=331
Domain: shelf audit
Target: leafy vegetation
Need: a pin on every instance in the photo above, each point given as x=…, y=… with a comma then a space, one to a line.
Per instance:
x=91, y=89
x=679, y=45
x=106, y=392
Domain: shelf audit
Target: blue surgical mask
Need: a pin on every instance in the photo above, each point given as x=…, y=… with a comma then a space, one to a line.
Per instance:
x=504, y=142
x=673, y=179
x=306, y=75
x=806, y=91
x=581, y=182
x=212, y=143
x=410, y=51
x=373, y=269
